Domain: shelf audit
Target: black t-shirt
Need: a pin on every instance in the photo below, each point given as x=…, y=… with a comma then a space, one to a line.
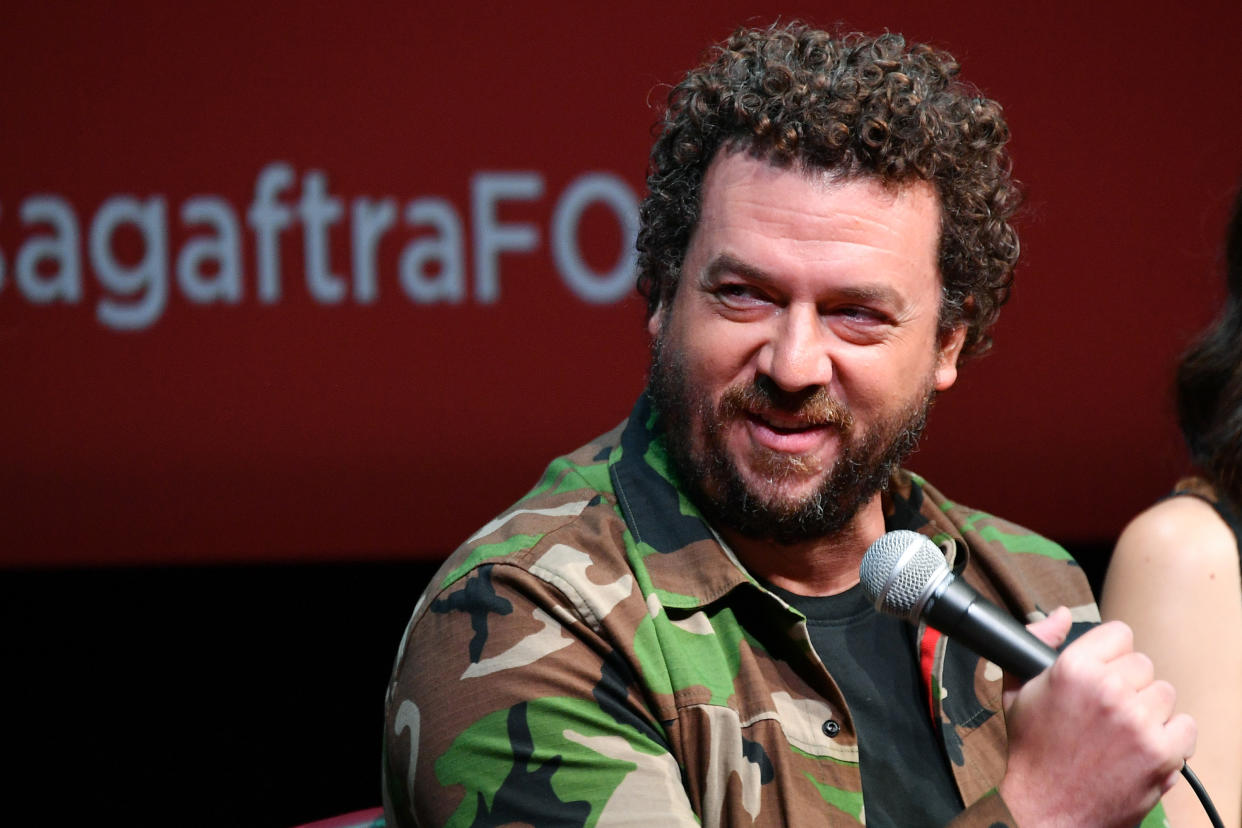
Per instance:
x=905, y=774
x=906, y=777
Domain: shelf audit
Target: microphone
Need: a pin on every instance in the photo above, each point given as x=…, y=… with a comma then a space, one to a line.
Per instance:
x=904, y=574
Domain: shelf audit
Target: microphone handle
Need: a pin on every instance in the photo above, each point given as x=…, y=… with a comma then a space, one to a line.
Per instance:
x=959, y=612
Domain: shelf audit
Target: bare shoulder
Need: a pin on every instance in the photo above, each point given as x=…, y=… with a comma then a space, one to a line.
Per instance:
x=1175, y=568
x=1177, y=549
x=1175, y=560
x=1180, y=532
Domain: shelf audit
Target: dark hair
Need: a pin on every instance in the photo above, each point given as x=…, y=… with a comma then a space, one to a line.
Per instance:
x=861, y=106
x=1209, y=380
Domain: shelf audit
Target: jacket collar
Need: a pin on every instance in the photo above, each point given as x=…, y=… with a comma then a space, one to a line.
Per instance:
x=686, y=563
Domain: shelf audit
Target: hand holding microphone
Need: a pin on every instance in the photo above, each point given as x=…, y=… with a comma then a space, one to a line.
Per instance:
x=1092, y=735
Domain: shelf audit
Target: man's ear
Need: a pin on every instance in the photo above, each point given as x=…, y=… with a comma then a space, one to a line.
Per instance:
x=655, y=322
x=948, y=351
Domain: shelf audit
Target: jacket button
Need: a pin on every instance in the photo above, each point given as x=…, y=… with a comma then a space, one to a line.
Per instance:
x=831, y=728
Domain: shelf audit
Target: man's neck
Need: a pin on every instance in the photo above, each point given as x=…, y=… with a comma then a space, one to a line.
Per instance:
x=822, y=566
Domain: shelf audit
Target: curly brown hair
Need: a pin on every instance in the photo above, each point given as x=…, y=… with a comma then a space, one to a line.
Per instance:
x=857, y=105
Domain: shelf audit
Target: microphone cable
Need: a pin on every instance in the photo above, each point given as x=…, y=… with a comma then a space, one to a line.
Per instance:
x=1204, y=799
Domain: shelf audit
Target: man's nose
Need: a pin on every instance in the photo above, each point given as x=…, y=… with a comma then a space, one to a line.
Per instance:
x=796, y=356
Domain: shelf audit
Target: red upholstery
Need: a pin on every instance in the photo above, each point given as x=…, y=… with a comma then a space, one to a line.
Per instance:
x=368, y=818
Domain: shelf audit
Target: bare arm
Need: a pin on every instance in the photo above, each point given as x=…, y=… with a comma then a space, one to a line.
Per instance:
x=1174, y=578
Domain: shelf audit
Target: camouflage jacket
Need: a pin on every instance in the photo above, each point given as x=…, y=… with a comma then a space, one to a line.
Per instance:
x=594, y=656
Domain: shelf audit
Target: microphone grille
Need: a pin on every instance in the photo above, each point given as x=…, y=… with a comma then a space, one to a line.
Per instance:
x=897, y=571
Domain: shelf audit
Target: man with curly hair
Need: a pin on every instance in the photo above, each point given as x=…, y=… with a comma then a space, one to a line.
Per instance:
x=669, y=628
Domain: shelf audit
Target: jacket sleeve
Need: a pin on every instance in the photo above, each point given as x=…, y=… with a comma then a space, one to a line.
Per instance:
x=988, y=812
x=508, y=706
x=992, y=812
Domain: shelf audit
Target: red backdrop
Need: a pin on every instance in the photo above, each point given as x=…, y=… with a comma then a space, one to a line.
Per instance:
x=449, y=226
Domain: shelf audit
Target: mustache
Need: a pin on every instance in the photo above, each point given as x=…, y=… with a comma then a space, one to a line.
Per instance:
x=811, y=406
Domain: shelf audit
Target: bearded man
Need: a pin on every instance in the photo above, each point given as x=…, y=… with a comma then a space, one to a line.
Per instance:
x=669, y=628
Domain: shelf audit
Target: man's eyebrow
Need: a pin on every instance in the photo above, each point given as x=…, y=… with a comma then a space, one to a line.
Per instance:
x=882, y=293
x=728, y=263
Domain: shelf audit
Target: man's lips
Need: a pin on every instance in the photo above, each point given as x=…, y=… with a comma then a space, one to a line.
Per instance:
x=787, y=434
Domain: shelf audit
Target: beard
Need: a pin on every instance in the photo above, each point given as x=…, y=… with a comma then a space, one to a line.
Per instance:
x=766, y=509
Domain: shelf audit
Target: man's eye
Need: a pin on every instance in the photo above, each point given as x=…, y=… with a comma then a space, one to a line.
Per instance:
x=860, y=314
x=737, y=292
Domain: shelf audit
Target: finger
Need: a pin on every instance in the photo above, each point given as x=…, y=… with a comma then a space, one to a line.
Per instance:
x=1135, y=668
x=1052, y=630
x=1182, y=733
x=1157, y=700
x=1104, y=642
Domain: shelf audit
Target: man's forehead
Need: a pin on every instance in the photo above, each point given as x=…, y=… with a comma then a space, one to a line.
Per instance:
x=764, y=167
x=817, y=206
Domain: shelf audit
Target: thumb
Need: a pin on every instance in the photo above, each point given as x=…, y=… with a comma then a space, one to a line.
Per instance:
x=1052, y=630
